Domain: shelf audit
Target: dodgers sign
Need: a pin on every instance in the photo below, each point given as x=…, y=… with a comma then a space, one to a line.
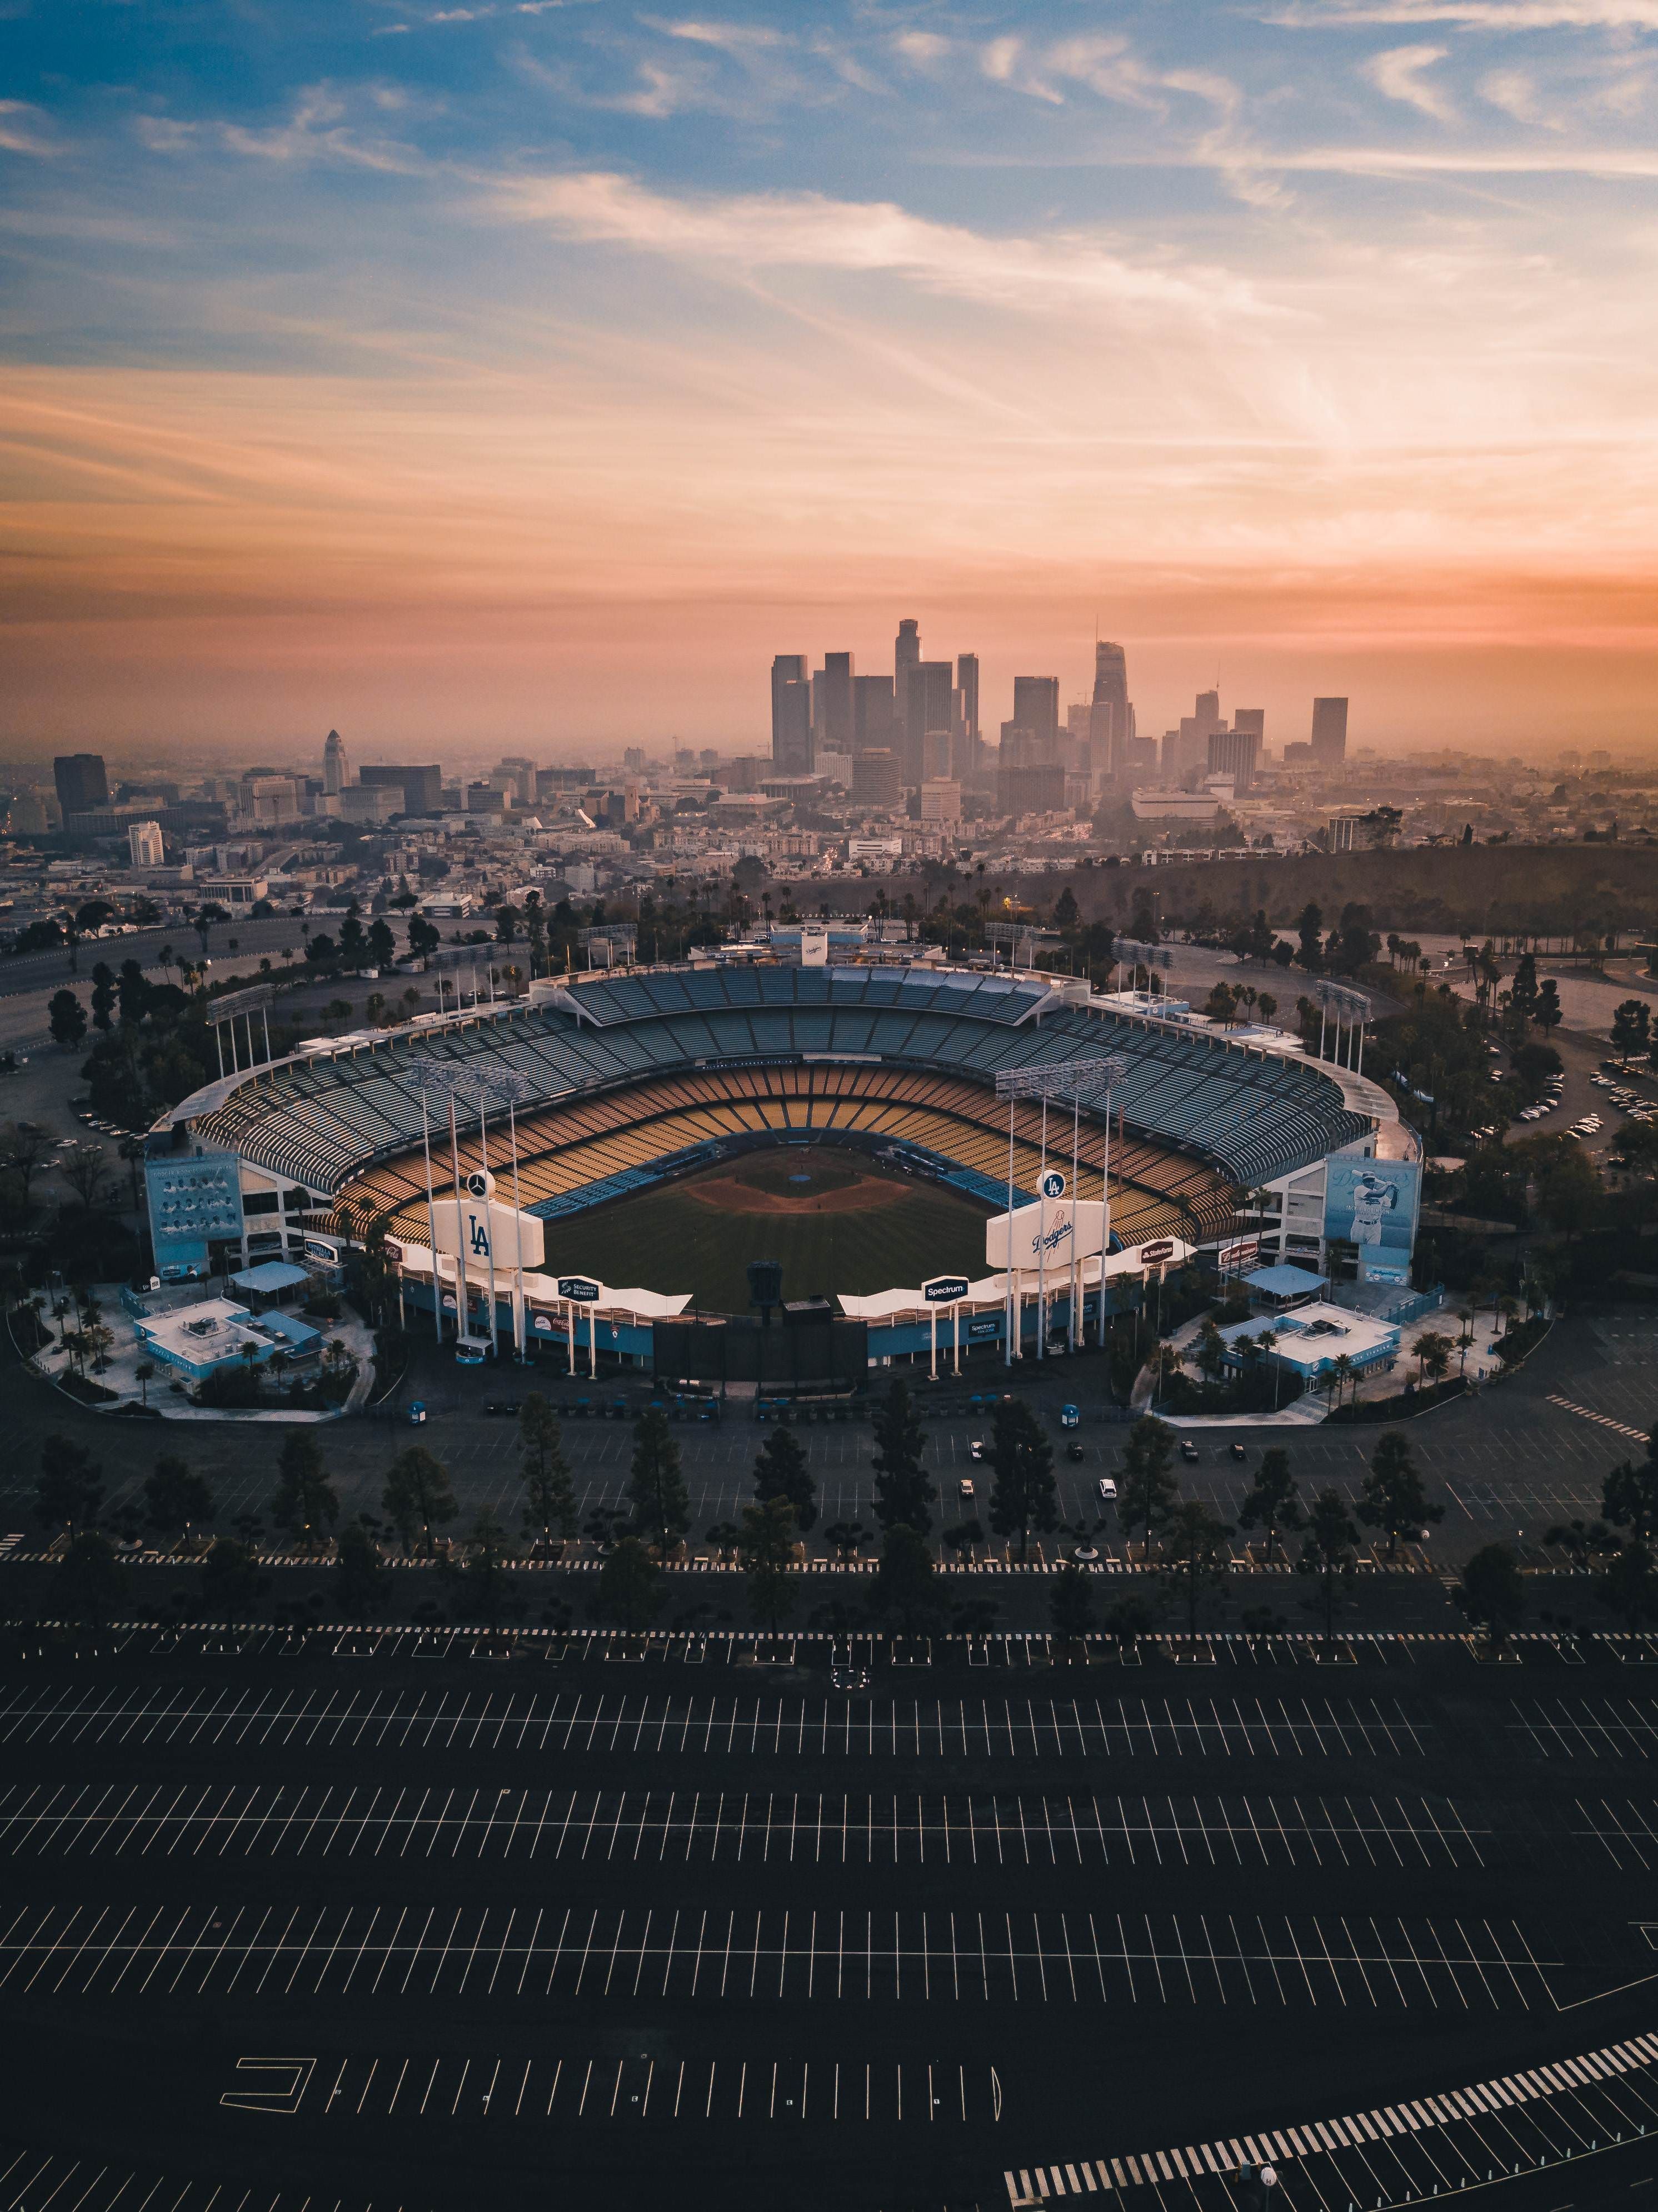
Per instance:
x=1044, y=1235
x=486, y=1233
x=1053, y=1184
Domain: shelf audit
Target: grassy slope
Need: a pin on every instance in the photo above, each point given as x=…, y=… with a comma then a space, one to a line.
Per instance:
x=668, y=1240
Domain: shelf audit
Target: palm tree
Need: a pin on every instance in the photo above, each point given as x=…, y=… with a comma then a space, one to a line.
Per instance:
x=145, y=1371
x=1343, y=1371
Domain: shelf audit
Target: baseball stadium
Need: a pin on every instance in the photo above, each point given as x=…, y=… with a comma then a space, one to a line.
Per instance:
x=861, y=1123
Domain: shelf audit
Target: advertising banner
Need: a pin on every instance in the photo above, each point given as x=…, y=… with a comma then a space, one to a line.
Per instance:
x=1044, y=1234
x=1373, y=1204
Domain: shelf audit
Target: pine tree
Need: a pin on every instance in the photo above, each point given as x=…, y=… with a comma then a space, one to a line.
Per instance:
x=902, y=1491
x=766, y=1547
x=661, y=1501
x=781, y=1471
x=1022, y=1495
x=417, y=1499
x=1392, y=1498
x=1328, y=1550
x=305, y=1498
x=1274, y=1501
x=549, y=1490
x=1149, y=1489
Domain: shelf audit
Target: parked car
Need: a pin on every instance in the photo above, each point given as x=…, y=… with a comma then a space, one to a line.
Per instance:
x=1073, y=1450
x=1107, y=1488
x=1070, y=1418
x=1238, y=1452
x=417, y=1413
x=977, y=1449
x=502, y=1408
x=965, y=1491
x=469, y=1355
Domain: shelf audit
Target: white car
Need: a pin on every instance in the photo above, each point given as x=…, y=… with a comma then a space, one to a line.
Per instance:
x=977, y=1449
x=1107, y=1488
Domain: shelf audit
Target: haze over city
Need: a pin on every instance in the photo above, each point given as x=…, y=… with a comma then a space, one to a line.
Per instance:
x=532, y=375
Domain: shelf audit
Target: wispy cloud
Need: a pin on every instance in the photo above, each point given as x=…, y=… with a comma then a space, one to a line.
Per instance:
x=316, y=130
x=808, y=230
x=1477, y=14
x=1400, y=74
x=25, y=130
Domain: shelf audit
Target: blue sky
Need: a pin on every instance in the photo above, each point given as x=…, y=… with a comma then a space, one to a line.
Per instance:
x=410, y=358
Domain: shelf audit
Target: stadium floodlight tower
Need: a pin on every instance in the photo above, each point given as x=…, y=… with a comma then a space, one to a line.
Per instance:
x=1350, y=1009
x=449, y=1081
x=1137, y=953
x=1072, y=1079
x=611, y=938
x=513, y=1087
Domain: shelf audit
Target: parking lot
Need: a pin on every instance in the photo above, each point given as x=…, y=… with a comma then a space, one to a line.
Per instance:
x=363, y=1904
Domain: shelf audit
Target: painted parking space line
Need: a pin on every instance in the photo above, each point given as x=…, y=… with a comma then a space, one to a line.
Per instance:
x=1604, y=1421
x=1096, y=1958
x=694, y=1826
x=1589, y=1728
x=987, y=1727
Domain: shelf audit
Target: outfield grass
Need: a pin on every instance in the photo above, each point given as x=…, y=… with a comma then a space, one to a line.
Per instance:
x=669, y=1241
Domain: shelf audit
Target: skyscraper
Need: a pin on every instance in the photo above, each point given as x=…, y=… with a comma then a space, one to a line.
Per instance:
x=906, y=655
x=1329, y=731
x=967, y=684
x=832, y=728
x=1253, y=721
x=335, y=769
x=1111, y=724
x=929, y=712
x=83, y=784
x=1036, y=708
x=791, y=713
x=1232, y=752
x=873, y=729
x=144, y=844
x=1206, y=712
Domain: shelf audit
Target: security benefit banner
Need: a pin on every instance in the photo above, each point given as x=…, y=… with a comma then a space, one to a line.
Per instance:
x=1047, y=1235
x=481, y=1232
x=1373, y=1204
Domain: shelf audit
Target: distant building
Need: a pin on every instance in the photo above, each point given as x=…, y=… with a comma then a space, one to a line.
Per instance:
x=872, y=726
x=369, y=802
x=832, y=717
x=875, y=779
x=1253, y=720
x=1039, y=790
x=941, y=800
x=1036, y=708
x=83, y=784
x=1297, y=754
x=565, y=779
x=790, y=714
x=422, y=788
x=1329, y=739
x=972, y=745
x=145, y=845
x=906, y=655
x=1111, y=719
x=335, y=769
x=633, y=757
x=1233, y=753
x=743, y=772
x=929, y=718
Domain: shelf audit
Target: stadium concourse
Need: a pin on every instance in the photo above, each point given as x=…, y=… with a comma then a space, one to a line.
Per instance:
x=627, y=1079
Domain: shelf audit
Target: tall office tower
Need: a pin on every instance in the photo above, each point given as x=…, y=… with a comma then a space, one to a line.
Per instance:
x=929, y=707
x=1252, y=720
x=906, y=655
x=144, y=844
x=1232, y=752
x=872, y=726
x=1018, y=749
x=1206, y=712
x=1112, y=725
x=633, y=757
x=832, y=720
x=788, y=669
x=790, y=727
x=82, y=785
x=875, y=779
x=1329, y=731
x=421, y=787
x=966, y=683
x=335, y=769
x=1036, y=708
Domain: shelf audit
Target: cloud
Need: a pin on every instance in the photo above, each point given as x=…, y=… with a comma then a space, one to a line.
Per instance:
x=1515, y=92
x=1477, y=14
x=1398, y=74
x=730, y=38
x=19, y=131
x=1062, y=271
x=923, y=48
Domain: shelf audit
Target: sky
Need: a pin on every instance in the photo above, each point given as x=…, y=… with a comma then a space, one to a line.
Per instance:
x=533, y=371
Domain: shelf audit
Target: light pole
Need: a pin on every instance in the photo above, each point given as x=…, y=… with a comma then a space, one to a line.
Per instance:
x=513, y=1087
x=1068, y=1079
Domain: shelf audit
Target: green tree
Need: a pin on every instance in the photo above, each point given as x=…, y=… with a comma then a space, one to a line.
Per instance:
x=1308, y=926
x=902, y=1491
x=305, y=1500
x=360, y=1578
x=549, y=1488
x=781, y=1471
x=1071, y=1604
x=230, y=1582
x=765, y=1546
x=1327, y=1549
x=662, y=1504
x=1629, y=1499
x=630, y=1586
x=1548, y=1013
x=1273, y=1501
x=486, y=1592
x=1021, y=1493
x=905, y=1587
x=1632, y=1028
x=70, y=1488
x=1492, y=1593
x=417, y=1499
x=1148, y=1491
x=66, y=1019
x=1392, y=1498
x=174, y=1494
x=1195, y=1555
x=1209, y=1358
x=88, y=1586
x=1628, y=1585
